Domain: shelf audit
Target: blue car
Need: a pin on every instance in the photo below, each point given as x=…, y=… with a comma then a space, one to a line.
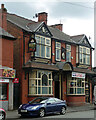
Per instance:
x=42, y=106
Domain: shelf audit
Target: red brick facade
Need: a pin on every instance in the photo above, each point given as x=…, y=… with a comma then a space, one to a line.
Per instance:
x=21, y=57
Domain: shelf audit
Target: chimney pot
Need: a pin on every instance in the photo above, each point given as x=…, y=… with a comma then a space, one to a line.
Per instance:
x=2, y=6
x=42, y=17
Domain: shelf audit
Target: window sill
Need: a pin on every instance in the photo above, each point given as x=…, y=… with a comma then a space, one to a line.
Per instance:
x=40, y=95
x=75, y=94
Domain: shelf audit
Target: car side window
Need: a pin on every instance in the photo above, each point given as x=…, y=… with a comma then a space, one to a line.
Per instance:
x=57, y=100
x=51, y=100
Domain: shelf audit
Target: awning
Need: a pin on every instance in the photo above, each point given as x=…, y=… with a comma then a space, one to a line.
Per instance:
x=84, y=70
x=65, y=66
x=37, y=65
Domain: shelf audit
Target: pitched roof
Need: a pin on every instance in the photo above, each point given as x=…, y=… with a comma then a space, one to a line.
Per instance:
x=5, y=34
x=79, y=39
x=57, y=34
x=19, y=21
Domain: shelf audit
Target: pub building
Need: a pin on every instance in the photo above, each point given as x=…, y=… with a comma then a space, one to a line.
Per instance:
x=49, y=62
x=7, y=73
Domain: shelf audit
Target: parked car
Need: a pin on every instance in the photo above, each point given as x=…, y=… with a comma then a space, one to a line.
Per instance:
x=42, y=106
x=2, y=114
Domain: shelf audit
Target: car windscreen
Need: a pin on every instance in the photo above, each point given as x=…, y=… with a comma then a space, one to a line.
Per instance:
x=38, y=100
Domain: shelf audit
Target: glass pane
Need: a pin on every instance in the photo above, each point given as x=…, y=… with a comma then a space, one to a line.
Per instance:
x=80, y=50
x=47, y=41
x=79, y=81
x=84, y=50
x=82, y=84
x=58, y=54
x=44, y=80
x=42, y=51
x=37, y=53
x=39, y=90
x=49, y=90
x=88, y=59
x=50, y=76
x=84, y=59
x=58, y=45
x=68, y=47
x=3, y=91
x=35, y=82
x=82, y=90
x=39, y=82
x=81, y=58
x=48, y=51
x=88, y=51
x=78, y=90
x=68, y=56
x=39, y=74
x=49, y=82
x=43, y=41
x=71, y=90
x=37, y=39
x=44, y=90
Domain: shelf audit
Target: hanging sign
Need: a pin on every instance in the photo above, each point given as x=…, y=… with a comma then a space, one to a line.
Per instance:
x=78, y=75
x=7, y=73
x=16, y=80
x=63, y=52
x=32, y=45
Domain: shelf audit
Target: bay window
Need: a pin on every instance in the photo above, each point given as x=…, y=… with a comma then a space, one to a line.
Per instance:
x=40, y=83
x=43, y=47
x=84, y=54
x=75, y=86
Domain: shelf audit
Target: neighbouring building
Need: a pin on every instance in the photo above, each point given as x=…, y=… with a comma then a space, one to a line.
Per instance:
x=7, y=73
x=60, y=67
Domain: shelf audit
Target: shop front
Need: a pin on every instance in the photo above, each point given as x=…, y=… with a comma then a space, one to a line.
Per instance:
x=6, y=87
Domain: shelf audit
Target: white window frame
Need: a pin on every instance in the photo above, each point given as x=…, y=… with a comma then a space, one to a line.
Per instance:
x=45, y=45
x=86, y=54
x=68, y=50
x=58, y=47
x=74, y=80
x=35, y=79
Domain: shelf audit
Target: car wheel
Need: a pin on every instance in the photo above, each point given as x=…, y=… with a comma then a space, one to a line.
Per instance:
x=2, y=116
x=42, y=113
x=63, y=110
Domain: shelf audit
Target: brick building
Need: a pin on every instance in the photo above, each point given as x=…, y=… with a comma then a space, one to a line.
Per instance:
x=60, y=67
x=7, y=73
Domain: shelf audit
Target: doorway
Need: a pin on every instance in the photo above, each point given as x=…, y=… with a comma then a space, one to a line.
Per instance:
x=57, y=89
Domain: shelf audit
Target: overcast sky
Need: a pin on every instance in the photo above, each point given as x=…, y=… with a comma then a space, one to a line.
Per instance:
x=77, y=16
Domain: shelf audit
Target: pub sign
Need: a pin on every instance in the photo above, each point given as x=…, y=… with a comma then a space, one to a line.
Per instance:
x=32, y=45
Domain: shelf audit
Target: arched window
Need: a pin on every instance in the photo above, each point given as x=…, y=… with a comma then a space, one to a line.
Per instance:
x=44, y=80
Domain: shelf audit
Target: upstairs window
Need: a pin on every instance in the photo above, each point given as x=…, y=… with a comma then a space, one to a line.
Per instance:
x=68, y=53
x=43, y=47
x=84, y=55
x=58, y=51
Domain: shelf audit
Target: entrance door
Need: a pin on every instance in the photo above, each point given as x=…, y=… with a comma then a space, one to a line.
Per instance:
x=57, y=89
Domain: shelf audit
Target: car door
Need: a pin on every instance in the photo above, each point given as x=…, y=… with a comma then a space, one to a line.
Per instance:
x=51, y=106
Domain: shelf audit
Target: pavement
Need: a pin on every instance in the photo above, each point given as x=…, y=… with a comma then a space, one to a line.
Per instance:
x=87, y=107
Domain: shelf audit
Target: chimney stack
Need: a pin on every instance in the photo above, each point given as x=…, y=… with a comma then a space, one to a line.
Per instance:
x=42, y=17
x=3, y=17
x=59, y=26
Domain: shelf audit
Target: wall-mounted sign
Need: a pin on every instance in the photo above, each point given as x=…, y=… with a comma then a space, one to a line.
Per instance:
x=7, y=73
x=63, y=52
x=78, y=75
x=16, y=80
x=4, y=80
x=32, y=45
